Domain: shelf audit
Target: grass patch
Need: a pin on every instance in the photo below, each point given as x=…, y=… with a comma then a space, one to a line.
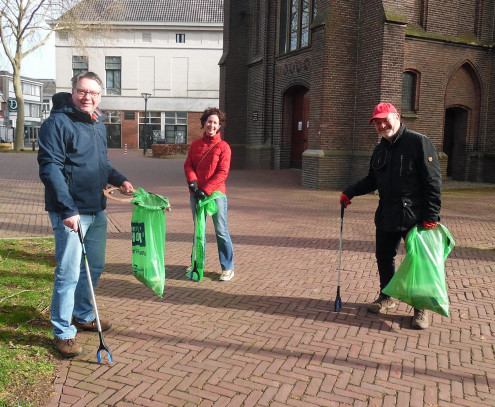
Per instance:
x=27, y=358
x=26, y=150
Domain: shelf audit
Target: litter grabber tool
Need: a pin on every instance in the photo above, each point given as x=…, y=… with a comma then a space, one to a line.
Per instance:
x=194, y=273
x=338, y=300
x=85, y=258
x=109, y=193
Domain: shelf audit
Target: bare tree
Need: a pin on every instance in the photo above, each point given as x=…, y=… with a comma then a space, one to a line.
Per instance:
x=26, y=25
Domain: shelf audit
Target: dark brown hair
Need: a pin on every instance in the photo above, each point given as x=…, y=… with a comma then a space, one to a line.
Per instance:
x=222, y=117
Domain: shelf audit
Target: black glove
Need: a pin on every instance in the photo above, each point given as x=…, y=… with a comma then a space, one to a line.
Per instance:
x=200, y=194
x=193, y=186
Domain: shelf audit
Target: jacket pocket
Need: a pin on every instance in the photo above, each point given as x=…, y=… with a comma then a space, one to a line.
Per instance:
x=410, y=212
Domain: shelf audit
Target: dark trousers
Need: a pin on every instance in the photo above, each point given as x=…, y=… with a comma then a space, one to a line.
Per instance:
x=387, y=245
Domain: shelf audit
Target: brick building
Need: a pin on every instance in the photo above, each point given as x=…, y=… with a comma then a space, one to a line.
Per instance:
x=299, y=80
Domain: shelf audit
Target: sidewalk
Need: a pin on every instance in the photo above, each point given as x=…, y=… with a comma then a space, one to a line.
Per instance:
x=270, y=337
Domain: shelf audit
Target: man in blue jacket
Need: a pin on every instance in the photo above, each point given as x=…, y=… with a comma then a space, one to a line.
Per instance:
x=404, y=168
x=74, y=167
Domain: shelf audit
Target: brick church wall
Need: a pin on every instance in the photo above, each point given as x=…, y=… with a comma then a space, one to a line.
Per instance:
x=358, y=53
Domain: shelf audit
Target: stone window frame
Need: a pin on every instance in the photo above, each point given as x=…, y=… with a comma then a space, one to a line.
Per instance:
x=411, y=105
x=295, y=19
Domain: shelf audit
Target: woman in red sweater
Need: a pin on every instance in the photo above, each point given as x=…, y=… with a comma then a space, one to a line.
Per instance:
x=207, y=168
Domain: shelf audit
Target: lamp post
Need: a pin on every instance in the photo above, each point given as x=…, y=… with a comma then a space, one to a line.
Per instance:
x=146, y=96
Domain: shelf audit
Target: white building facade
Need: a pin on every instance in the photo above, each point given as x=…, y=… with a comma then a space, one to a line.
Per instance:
x=171, y=54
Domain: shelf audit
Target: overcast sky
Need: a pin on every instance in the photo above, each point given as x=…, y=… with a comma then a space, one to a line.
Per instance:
x=38, y=65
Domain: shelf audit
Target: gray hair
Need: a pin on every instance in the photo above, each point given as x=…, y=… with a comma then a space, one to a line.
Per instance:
x=86, y=75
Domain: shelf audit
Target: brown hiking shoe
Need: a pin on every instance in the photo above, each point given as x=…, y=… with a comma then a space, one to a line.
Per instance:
x=420, y=319
x=382, y=304
x=68, y=347
x=92, y=326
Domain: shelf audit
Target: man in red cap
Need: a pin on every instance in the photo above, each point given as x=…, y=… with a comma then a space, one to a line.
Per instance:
x=404, y=168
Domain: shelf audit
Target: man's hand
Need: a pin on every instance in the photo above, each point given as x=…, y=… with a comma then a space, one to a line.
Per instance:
x=344, y=198
x=126, y=188
x=429, y=225
x=72, y=222
x=193, y=186
x=200, y=194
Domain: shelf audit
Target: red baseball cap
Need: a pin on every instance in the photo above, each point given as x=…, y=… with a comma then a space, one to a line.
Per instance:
x=382, y=110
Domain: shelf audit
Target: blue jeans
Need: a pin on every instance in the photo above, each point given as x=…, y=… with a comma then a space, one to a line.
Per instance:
x=71, y=293
x=224, y=243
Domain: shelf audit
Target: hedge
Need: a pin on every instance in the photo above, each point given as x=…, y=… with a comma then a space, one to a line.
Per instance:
x=160, y=150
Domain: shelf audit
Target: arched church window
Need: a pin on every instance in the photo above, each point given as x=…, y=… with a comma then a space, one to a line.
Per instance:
x=294, y=24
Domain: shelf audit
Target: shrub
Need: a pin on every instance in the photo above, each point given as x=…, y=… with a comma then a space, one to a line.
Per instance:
x=160, y=150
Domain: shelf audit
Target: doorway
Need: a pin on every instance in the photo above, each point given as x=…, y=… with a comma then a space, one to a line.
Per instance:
x=297, y=109
x=454, y=142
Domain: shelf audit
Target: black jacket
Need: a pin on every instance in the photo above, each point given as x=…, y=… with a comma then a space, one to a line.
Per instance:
x=407, y=175
x=73, y=161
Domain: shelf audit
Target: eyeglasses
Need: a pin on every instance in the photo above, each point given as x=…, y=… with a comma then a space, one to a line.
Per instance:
x=83, y=93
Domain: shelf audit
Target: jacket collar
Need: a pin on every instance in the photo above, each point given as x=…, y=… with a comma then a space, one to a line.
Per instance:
x=216, y=138
x=399, y=133
x=62, y=103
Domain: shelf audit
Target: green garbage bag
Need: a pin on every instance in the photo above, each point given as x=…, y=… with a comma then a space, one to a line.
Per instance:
x=420, y=279
x=148, y=239
x=206, y=206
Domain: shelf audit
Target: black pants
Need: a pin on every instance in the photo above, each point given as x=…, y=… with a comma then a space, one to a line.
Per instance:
x=387, y=245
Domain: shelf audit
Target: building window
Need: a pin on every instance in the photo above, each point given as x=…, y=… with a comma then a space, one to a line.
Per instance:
x=478, y=15
x=129, y=115
x=113, y=70
x=46, y=109
x=180, y=38
x=175, y=127
x=256, y=29
x=32, y=110
x=175, y=117
x=146, y=37
x=153, y=128
x=423, y=14
x=295, y=21
x=113, y=124
x=30, y=89
x=410, y=86
x=79, y=65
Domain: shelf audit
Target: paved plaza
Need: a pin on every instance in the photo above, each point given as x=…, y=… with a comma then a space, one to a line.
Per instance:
x=270, y=336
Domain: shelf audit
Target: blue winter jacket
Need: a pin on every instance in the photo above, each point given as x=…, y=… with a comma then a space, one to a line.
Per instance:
x=73, y=161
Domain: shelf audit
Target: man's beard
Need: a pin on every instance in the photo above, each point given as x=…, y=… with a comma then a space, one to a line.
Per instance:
x=389, y=133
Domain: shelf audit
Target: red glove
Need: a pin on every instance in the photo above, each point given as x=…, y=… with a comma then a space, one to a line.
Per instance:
x=344, y=198
x=429, y=225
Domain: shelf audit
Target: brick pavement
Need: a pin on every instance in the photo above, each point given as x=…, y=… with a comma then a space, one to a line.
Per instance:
x=270, y=337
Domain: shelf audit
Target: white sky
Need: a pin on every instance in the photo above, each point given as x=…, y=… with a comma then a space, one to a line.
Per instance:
x=38, y=65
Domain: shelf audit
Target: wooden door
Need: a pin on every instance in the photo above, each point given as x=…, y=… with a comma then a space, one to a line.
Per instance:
x=300, y=123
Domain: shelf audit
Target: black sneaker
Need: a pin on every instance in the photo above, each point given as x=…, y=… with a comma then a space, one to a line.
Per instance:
x=382, y=304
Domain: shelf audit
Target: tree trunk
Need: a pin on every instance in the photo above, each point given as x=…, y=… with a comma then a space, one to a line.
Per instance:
x=19, y=126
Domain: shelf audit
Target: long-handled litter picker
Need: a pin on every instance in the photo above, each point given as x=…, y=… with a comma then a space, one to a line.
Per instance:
x=194, y=273
x=102, y=342
x=338, y=300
